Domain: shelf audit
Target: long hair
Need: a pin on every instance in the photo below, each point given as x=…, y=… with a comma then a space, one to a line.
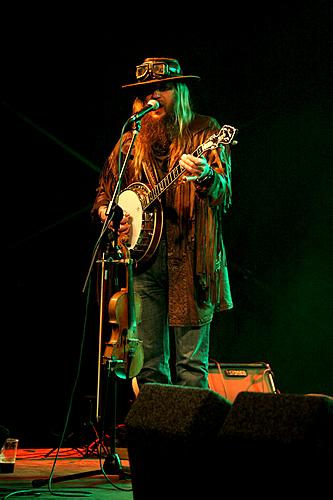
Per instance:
x=182, y=116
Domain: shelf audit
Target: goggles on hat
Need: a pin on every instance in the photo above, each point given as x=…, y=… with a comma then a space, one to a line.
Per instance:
x=155, y=70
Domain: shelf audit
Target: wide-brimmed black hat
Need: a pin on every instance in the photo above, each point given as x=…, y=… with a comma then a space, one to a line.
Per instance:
x=159, y=69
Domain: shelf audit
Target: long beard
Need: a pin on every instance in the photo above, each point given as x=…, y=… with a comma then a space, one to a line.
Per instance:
x=157, y=134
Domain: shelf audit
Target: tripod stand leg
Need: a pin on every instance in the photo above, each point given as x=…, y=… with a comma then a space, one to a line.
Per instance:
x=36, y=483
x=112, y=466
x=50, y=452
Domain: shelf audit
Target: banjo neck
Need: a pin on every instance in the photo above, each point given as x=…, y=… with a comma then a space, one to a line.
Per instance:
x=224, y=136
x=162, y=186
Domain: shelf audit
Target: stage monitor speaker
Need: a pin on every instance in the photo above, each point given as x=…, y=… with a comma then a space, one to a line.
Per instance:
x=171, y=439
x=288, y=435
x=229, y=379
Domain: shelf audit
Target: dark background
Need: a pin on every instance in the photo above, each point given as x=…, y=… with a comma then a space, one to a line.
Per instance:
x=268, y=74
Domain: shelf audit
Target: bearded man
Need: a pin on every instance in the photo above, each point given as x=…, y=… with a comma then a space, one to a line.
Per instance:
x=181, y=186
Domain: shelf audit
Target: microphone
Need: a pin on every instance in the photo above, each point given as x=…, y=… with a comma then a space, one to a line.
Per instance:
x=150, y=106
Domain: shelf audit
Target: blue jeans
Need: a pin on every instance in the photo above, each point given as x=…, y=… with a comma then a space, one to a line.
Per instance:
x=191, y=343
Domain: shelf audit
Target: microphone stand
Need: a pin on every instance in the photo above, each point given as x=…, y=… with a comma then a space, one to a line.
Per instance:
x=112, y=207
x=112, y=464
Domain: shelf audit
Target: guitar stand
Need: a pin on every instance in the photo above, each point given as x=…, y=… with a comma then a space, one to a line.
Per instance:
x=89, y=449
x=94, y=447
x=80, y=452
x=112, y=463
x=55, y=449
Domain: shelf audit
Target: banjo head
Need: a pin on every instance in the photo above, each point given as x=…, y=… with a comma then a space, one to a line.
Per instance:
x=130, y=202
x=146, y=220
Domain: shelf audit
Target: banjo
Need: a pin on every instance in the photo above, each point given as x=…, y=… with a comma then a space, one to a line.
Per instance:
x=144, y=206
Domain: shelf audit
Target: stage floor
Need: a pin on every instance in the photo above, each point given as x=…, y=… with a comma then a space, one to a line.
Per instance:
x=37, y=465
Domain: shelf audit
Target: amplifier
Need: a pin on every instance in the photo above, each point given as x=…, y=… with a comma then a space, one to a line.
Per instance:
x=229, y=379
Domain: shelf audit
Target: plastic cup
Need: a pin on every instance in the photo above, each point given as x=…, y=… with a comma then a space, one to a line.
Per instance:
x=8, y=456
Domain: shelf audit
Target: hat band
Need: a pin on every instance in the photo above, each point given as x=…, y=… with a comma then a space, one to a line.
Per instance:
x=155, y=70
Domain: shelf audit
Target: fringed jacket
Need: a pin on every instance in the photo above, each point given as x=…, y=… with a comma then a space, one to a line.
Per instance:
x=192, y=225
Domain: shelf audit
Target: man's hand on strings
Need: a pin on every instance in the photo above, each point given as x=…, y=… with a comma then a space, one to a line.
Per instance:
x=196, y=168
x=124, y=225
